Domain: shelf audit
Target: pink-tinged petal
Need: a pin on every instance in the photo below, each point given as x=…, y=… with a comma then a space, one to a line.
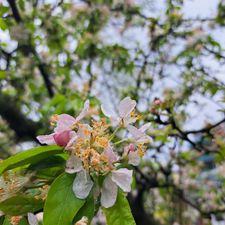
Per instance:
x=73, y=138
x=132, y=147
x=83, y=112
x=62, y=138
x=129, y=148
x=123, y=178
x=126, y=106
x=64, y=122
x=32, y=219
x=109, y=192
x=126, y=150
x=139, y=136
x=136, y=133
x=107, y=111
x=144, y=139
x=111, y=155
x=145, y=127
x=73, y=164
x=82, y=184
x=47, y=139
x=134, y=158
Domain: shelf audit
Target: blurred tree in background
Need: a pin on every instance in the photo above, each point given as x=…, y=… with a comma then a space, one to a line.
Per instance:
x=55, y=54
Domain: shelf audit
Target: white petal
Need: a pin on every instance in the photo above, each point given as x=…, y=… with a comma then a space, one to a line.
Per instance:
x=115, y=121
x=47, y=139
x=82, y=184
x=123, y=178
x=32, y=219
x=84, y=111
x=111, y=155
x=126, y=106
x=144, y=139
x=73, y=164
x=145, y=127
x=64, y=122
x=109, y=192
x=126, y=150
x=134, y=158
x=107, y=111
x=139, y=135
x=136, y=133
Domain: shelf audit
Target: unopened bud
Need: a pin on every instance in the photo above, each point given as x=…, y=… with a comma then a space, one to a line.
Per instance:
x=132, y=147
x=82, y=221
x=15, y=220
x=157, y=101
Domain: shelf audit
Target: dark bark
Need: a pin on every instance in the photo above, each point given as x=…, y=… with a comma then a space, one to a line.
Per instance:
x=137, y=208
x=15, y=11
x=24, y=128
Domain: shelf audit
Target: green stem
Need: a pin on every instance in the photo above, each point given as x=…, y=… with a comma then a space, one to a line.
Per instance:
x=121, y=141
x=113, y=134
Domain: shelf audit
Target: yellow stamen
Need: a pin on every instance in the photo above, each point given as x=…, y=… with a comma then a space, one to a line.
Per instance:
x=54, y=119
x=102, y=142
x=135, y=115
x=141, y=150
x=15, y=220
x=103, y=158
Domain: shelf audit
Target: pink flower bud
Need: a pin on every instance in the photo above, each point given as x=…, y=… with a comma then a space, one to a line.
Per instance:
x=129, y=148
x=62, y=138
x=157, y=101
x=132, y=147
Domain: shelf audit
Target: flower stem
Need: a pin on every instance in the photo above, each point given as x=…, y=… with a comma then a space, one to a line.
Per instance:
x=121, y=141
x=113, y=134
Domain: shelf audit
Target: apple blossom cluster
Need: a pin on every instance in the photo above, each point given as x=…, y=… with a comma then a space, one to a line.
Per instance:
x=32, y=220
x=11, y=183
x=94, y=157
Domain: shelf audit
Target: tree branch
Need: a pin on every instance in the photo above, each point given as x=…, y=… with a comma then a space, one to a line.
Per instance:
x=25, y=129
x=206, y=129
x=41, y=66
x=15, y=11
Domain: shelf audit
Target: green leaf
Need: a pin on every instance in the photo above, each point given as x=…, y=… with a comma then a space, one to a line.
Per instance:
x=3, y=25
x=20, y=205
x=6, y=221
x=61, y=204
x=120, y=213
x=2, y=219
x=29, y=157
x=49, y=173
x=23, y=221
x=2, y=75
x=3, y=10
x=52, y=161
x=87, y=210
